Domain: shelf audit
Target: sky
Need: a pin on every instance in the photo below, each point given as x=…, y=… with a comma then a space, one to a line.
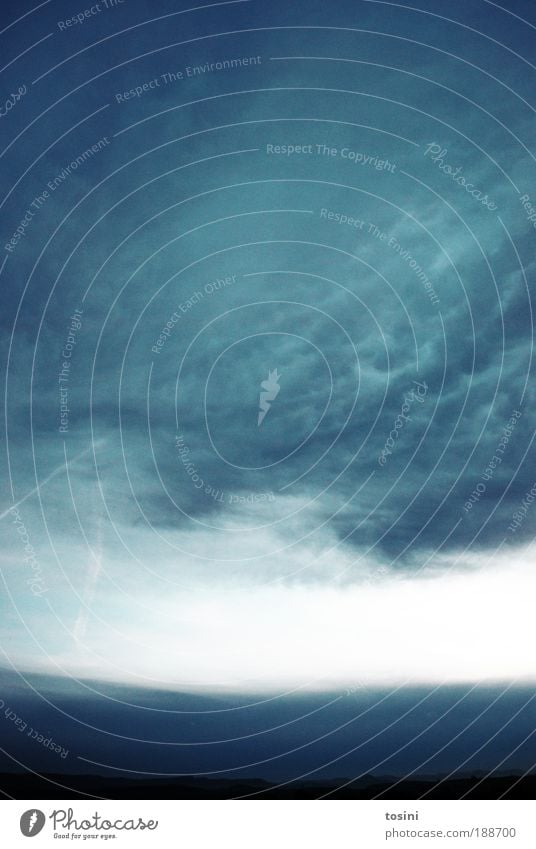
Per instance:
x=320, y=214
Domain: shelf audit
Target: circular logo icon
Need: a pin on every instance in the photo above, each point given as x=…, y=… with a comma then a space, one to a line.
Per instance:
x=31, y=822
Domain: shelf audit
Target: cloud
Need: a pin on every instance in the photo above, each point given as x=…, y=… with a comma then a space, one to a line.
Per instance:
x=467, y=621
